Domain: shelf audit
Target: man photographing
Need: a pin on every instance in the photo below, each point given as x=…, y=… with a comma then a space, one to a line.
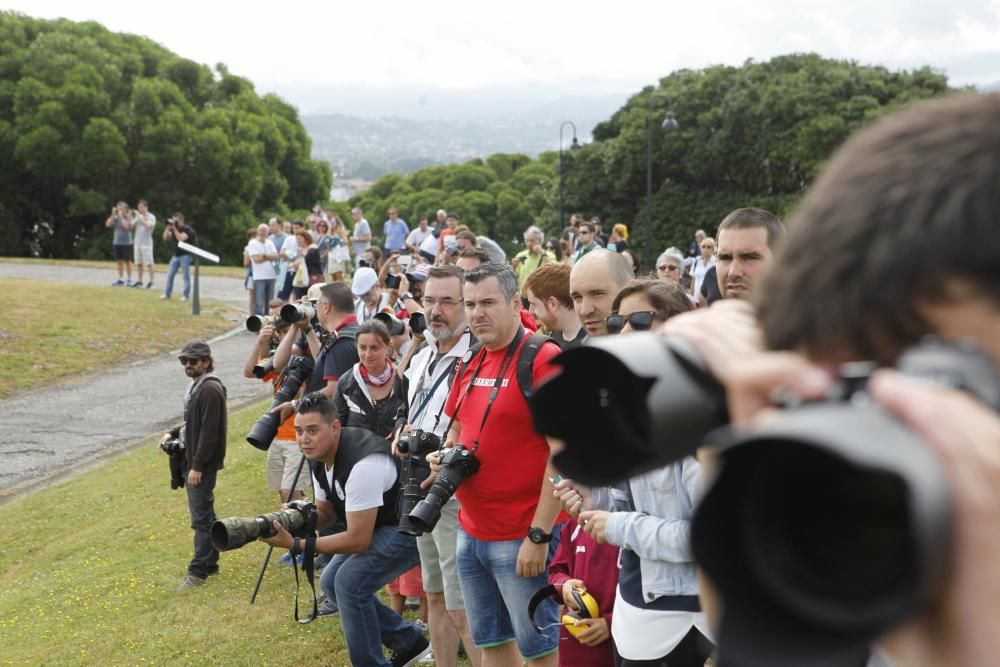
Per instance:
x=203, y=435
x=354, y=475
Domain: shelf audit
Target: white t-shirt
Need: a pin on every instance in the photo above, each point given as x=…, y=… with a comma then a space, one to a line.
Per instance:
x=290, y=248
x=430, y=244
x=371, y=477
x=360, y=229
x=261, y=270
x=418, y=236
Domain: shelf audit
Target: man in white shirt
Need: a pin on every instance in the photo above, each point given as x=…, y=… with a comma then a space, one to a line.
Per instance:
x=262, y=254
x=144, y=223
x=418, y=236
x=361, y=238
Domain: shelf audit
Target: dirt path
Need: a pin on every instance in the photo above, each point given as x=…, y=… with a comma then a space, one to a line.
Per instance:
x=56, y=431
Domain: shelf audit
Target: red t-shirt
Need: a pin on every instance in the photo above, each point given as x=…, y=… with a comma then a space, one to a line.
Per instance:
x=499, y=501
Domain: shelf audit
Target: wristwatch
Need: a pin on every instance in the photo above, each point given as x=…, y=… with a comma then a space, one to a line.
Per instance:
x=539, y=536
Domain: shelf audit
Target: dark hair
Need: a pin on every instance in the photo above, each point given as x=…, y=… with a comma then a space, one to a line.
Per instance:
x=468, y=236
x=591, y=227
x=446, y=271
x=141, y=202
x=904, y=213
x=555, y=247
x=453, y=215
x=477, y=252
x=748, y=218
x=669, y=299
x=297, y=222
x=304, y=233
x=550, y=280
x=319, y=402
x=505, y=276
x=374, y=327
x=339, y=296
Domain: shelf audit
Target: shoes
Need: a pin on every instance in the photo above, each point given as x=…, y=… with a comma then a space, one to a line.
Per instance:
x=412, y=655
x=287, y=559
x=412, y=604
x=164, y=297
x=135, y=284
x=149, y=285
x=183, y=299
x=130, y=283
x=327, y=609
x=190, y=581
x=118, y=283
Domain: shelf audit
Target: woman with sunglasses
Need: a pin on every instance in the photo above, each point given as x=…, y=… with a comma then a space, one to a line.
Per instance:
x=644, y=304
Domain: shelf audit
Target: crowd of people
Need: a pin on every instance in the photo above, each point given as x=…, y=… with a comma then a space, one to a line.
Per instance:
x=437, y=337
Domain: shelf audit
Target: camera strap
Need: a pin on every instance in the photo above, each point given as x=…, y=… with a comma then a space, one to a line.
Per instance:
x=308, y=569
x=434, y=388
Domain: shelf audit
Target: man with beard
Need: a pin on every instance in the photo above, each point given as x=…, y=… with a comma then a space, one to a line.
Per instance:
x=747, y=238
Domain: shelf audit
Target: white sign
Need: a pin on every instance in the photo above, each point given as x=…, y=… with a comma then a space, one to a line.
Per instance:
x=195, y=250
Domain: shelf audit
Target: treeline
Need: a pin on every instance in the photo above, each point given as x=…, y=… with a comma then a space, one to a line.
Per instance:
x=89, y=117
x=754, y=135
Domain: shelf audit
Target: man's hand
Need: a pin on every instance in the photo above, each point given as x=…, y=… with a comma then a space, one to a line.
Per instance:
x=434, y=460
x=596, y=632
x=531, y=559
x=281, y=538
x=723, y=335
x=194, y=477
x=265, y=335
x=163, y=440
x=395, y=442
x=594, y=523
x=567, y=592
x=574, y=498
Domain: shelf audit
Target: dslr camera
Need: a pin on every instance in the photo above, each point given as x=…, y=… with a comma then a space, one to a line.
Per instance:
x=458, y=463
x=413, y=471
x=295, y=375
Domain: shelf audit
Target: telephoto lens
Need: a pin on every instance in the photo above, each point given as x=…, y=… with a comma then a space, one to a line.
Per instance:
x=294, y=312
x=295, y=374
x=458, y=463
x=413, y=471
x=299, y=519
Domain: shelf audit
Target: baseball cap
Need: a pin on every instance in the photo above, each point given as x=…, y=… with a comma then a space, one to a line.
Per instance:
x=196, y=348
x=313, y=293
x=365, y=278
x=419, y=273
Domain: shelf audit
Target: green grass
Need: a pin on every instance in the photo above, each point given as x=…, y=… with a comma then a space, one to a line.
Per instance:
x=51, y=330
x=89, y=567
x=207, y=269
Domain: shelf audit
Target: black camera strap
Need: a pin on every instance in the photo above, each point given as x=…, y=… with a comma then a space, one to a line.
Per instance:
x=309, y=570
x=504, y=367
x=434, y=388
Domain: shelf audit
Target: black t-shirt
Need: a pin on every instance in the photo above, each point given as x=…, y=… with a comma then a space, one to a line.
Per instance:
x=192, y=238
x=710, y=287
x=333, y=362
x=312, y=260
x=564, y=344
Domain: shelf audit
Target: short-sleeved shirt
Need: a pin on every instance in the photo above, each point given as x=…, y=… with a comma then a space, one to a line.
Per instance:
x=261, y=270
x=370, y=478
x=418, y=236
x=144, y=234
x=122, y=235
x=192, y=238
x=395, y=234
x=360, y=229
x=499, y=501
x=334, y=361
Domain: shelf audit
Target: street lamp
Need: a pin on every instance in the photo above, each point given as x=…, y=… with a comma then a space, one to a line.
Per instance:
x=573, y=147
x=669, y=123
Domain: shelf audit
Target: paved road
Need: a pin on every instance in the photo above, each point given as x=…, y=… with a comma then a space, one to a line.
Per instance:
x=47, y=434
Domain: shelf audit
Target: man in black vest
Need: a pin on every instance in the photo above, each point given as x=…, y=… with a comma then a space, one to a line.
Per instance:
x=355, y=477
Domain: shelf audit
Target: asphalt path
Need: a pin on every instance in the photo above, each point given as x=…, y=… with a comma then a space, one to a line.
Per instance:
x=63, y=429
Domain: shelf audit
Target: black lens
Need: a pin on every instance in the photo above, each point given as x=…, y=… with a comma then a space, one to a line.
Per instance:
x=641, y=321
x=615, y=323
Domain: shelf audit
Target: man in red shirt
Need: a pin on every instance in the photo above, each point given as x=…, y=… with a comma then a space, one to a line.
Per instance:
x=508, y=513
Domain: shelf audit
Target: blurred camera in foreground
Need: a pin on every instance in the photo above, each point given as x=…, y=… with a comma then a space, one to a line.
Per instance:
x=299, y=519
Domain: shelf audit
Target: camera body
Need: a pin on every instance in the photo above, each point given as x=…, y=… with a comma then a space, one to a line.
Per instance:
x=413, y=471
x=295, y=375
x=298, y=518
x=392, y=281
x=459, y=462
x=173, y=447
x=418, y=443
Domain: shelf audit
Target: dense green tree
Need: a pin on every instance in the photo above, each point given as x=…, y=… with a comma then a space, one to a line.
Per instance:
x=88, y=117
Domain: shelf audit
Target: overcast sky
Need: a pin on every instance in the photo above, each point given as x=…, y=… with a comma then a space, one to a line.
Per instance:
x=583, y=46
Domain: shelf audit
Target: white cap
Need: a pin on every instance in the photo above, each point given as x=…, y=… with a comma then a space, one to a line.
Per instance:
x=365, y=278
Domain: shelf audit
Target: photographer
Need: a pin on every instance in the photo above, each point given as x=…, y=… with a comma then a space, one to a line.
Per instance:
x=355, y=477
x=430, y=374
x=203, y=435
x=370, y=396
x=178, y=230
x=122, y=221
x=508, y=512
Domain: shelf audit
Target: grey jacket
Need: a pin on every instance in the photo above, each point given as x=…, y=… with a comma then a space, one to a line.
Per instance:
x=658, y=528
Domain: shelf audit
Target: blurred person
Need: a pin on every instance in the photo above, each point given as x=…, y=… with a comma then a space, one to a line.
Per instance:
x=593, y=284
x=747, y=238
x=466, y=239
x=322, y=238
x=470, y=258
x=122, y=221
x=203, y=434
x=339, y=249
x=669, y=265
x=533, y=256
x=618, y=239
x=178, y=230
x=290, y=254
x=587, y=241
x=419, y=234
x=452, y=221
x=308, y=267
x=554, y=247
x=370, y=396
x=361, y=237
x=694, y=248
x=262, y=253
x=633, y=261
x=371, y=258
x=549, y=301
x=702, y=264
x=395, y=231
x=599, y=235
x=144, y=222
x=371, y=299
x=248, y=276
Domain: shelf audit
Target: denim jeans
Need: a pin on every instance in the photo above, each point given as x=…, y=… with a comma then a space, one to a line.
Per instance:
x=263, y=292
x=496, y=598
x=184, y=261
x=201, y=504
x=352, y=581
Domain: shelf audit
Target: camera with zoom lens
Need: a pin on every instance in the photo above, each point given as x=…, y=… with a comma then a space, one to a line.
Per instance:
x=255, y=323
x=413, y=471
x=831, y=524
x=173, y=447
x=294, y=376
x=298, y=518
x=458, y=463
x=296, y=312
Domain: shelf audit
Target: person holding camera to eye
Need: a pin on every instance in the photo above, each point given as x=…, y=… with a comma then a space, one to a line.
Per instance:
x=178, y=230
x=430, y=374
x=203, y=436
x=355, y=478
x=508, y=516
x=121, y=221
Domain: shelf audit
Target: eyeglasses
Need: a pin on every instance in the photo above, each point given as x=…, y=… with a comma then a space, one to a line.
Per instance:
x=668, y=267
x=188, y=361
x=639, y=321
x=429, y=302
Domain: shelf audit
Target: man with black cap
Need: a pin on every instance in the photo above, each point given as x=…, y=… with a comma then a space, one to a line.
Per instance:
x=203, y=435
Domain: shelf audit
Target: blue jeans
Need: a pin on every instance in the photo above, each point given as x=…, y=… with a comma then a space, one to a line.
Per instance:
x=352, y=581
x=201, y=505
x=184, y=261
x=263, y=292
x=496, y=598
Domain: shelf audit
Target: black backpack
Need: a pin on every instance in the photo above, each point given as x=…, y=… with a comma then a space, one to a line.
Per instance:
x=525, y=361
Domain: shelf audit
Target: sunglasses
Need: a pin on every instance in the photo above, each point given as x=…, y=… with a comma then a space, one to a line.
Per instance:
x=668, y=267
x=188, y=361
x=639, y=321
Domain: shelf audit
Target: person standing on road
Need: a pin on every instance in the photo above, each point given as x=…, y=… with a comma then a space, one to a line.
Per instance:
x=203, y=435
x=121, y=221
x=144, y=221
x=177, y=230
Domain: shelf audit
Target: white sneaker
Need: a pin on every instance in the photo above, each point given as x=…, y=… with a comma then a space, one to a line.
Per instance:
x=183, y=299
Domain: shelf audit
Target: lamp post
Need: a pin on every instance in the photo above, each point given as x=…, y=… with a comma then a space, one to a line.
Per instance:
x=669, y=123
x=573, y=147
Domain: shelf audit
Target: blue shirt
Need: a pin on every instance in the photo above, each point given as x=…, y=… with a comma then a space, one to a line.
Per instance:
x=395, y=234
